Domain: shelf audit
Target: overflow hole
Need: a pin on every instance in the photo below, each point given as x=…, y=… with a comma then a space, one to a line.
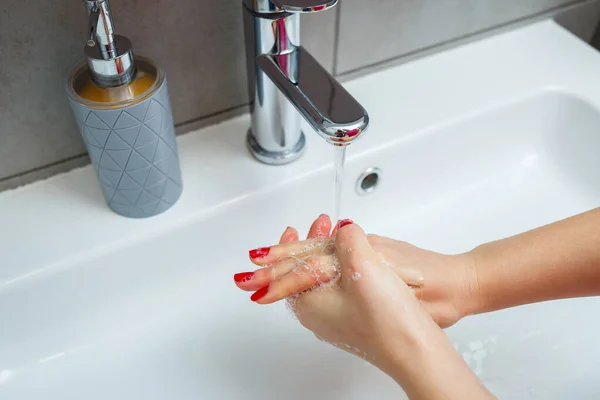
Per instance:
x=368, y=181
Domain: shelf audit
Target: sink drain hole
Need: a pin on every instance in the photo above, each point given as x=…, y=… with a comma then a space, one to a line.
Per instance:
x=368, y=181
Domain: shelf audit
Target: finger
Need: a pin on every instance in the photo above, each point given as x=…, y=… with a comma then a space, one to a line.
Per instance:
x=417, y=291
x=316, y=271
x=405, y=269
x=339, y=224
x=264, y=276
x=269, y=255
x=289, y=235
x=410, y=276
x=335, y=229
x=244, y=279
x=353, y=249
x=377, y=240
x=321, y=227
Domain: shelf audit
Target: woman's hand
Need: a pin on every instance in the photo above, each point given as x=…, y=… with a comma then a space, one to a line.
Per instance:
x=261, y=278
x=368, y=310
x=446, y=285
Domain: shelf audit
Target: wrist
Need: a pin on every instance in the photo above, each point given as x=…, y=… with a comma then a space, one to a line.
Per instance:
x=472, y=301
x=408, y=360
x=431, y=368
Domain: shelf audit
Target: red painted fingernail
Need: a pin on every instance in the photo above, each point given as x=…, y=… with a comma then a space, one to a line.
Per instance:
x=259, y=294
x=344, y=222
x=260, y=253
x=352, y=132
x=243, y=277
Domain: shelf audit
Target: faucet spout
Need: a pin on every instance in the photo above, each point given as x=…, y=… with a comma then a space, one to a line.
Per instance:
x=285, y=82
x=319, y=97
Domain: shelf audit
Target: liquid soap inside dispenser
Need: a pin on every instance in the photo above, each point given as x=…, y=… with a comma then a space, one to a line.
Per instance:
x=147, y=79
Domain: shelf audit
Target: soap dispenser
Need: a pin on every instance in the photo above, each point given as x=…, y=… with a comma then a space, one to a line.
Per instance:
x=121, y=105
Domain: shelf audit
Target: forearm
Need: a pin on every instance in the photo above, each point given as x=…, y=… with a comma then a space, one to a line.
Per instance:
x=432, y=370
x=560, y=260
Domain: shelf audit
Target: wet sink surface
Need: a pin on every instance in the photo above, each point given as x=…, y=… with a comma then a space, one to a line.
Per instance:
x=154, y=314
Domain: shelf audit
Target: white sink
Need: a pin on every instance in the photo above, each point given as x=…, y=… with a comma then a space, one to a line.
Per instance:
x=474, y=144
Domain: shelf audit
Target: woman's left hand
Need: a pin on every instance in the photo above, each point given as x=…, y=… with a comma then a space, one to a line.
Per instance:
x=260, y=278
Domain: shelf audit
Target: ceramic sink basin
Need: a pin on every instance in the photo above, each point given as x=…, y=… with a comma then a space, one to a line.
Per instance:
x=473, y=144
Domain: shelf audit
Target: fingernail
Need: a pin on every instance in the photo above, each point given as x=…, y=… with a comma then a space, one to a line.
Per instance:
x=352, y=132
x=243, y=277
x=259, y=294
x=344, y=222
x=260, y=253
x=323, y=215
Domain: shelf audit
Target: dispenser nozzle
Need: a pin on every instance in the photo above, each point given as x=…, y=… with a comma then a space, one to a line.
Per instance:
x=101, y=27
x=109, y=56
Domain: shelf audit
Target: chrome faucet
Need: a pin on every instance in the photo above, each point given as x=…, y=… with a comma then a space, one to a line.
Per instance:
x=286, y=82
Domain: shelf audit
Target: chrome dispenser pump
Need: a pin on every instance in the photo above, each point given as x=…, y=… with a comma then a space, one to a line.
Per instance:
x=109, y=57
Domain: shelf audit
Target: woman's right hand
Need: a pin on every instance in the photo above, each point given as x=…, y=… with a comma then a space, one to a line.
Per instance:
x=446, y=285
x=371, y=312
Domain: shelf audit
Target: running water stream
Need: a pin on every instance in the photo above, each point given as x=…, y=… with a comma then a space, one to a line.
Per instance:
x=338, y=180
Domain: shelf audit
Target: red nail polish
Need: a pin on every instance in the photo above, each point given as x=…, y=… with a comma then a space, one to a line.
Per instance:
x=260, y=253
x=243, y=277
x=352, y=132
x=344, y=222
x=259, y=294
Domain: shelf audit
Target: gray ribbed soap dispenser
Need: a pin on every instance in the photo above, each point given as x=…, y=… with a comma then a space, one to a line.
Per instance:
x=121, y=105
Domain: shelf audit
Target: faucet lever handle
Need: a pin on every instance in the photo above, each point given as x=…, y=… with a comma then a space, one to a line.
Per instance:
x=303, y=6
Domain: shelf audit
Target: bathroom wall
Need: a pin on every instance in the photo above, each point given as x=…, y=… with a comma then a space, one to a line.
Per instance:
x=200, y=45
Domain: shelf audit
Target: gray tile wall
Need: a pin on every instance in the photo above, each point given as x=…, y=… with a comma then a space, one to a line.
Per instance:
x=200, y=45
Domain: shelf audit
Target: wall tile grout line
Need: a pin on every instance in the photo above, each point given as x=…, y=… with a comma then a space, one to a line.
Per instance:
x=80, y=159
x=212, y=115
x=43, y=167
x=461, y=40
x=336, y=37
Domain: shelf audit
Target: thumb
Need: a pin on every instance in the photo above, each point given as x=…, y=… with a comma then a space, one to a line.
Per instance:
x=355, y=255
x=362, y=269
